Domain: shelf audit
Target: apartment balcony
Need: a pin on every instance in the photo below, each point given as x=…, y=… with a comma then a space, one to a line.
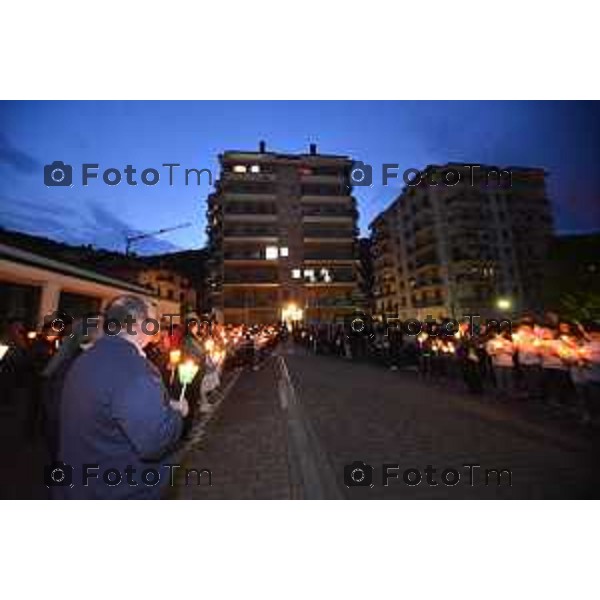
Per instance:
x=329, y=232
x=262, y=175
x=255, y=253
x=312, y=210
x=327, y=199
x=246, y=183
x=250, y=218
x=249, y=279
x=328, y=218
x=249, y=208
x=226, y=197
x=326, y=240
x=331, y=256
x=332, y=179
x=252, y=233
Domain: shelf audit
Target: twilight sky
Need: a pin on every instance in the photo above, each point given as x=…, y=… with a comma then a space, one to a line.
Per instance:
x=562, y=137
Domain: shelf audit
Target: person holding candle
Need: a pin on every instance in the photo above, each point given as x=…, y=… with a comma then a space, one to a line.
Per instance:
x=15, y=374
x=501, y=350
x=53, y=378
x=116, y=412
x=586, y=372
x=557, y=358
x=528, y=351
x=193, y=348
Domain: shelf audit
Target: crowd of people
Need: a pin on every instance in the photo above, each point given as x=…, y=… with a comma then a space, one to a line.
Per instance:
x=125, y=398
x=553, y=362
x=89, y=395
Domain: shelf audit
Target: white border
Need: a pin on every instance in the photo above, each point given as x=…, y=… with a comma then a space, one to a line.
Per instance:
x=516, y=49
x=299, y=549
x=270, y=49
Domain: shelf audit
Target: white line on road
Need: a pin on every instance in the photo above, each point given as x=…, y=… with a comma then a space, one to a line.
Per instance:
x=310, y=471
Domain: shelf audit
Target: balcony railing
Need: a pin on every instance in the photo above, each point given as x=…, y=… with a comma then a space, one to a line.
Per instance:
x=251, y=232
x=327, y=211
x=314, y=232
x=331, y=255
x=250, y=208
x=250, y=277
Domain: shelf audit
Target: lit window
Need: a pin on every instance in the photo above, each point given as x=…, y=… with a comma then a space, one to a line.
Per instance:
x=296, y=274
x=255, y=169
x=271, y=252
x=283, y=251
x=239, y=169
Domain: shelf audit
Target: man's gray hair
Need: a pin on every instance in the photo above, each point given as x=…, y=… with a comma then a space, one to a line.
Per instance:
x=126, y=306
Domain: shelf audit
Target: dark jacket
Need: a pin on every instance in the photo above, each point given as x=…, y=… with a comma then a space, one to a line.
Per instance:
x=115, y=413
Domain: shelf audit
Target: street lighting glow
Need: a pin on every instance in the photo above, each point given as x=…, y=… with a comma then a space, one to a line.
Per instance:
x=291, y=313
x=504, y=303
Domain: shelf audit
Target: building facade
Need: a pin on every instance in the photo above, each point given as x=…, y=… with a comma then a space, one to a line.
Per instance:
x=475, y=245
x=282, y=237
x=169, y=285
x=34, y=286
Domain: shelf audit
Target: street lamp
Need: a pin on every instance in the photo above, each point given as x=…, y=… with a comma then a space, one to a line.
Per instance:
x=291, y=313
x=504, y=303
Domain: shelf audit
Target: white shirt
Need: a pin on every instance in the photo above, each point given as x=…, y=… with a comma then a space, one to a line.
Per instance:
x=589, y=371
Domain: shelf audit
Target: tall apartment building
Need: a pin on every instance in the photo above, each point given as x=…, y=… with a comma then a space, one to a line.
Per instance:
x=476, y=247
x=282, y=237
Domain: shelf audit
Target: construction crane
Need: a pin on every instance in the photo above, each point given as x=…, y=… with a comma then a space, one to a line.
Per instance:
x=130, y=239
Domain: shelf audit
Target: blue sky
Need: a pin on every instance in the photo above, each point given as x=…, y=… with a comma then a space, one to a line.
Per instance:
x=562, y=137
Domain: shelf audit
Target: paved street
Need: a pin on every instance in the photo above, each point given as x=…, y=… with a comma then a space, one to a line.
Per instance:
x=245, y=446
x=288, y=430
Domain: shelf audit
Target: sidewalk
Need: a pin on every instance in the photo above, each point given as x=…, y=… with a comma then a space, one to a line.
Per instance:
x=245, y=446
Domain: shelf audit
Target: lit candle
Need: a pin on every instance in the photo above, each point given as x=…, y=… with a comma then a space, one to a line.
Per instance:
x=174, y=357
x=187, y=371
x=32, y=335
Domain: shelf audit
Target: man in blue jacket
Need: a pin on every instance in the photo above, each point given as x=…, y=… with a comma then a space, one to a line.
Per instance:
x=117, y=421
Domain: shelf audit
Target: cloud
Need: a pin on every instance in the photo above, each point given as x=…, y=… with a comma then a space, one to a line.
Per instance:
x=17, y=159
x=90, y=223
